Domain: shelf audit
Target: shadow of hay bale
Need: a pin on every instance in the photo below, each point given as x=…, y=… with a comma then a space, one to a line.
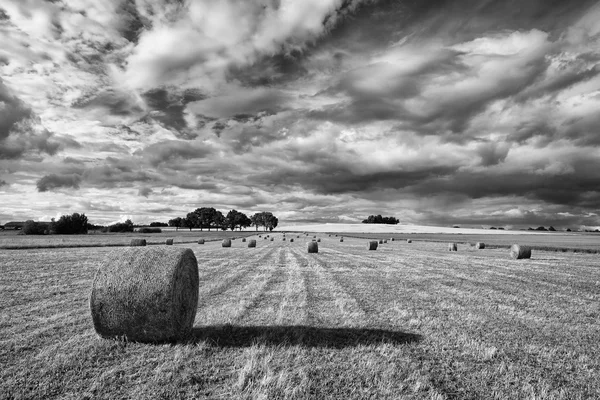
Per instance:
x=298, y=335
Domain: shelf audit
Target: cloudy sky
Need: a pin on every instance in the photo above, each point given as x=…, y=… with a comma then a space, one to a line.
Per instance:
x=468, y=112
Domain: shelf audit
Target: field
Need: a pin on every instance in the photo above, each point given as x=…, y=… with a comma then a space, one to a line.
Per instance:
x=409, y=321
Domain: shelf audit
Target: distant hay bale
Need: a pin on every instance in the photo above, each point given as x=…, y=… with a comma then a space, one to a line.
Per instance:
x=385, y=241
x=244, y=240
x=314, y=237
x=226, y=243
x=373, y=245
x=137, y=242
x=169, y=242
x=283, y=239
x=480, y=245
x=341, y=239
x=200, y=241
x=392, y=239
x=292, y=239
x=252, y=243
x=146, y=295
x=313, y=247
x=380, y=241
x=518, y=251
x=408, y=241
x=319, y=240
x=298, y=237
x=452, y=247
x=272, y=239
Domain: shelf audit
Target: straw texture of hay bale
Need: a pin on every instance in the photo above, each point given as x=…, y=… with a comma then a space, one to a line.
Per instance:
x=519, y=252
x=146, y=295
x=169, y=242
x=313, y=247
x=252, y=243
x=480, y=245
x=452, y=247
x=226, y=243
x=137, y=242
x=373, y=245
x=201, y=241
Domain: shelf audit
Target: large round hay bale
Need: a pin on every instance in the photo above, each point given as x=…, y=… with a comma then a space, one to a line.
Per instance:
x=169, y=242
x=408, y=241
x=452, y=247
x=226, y=243
x=137, y=242
x=146, y=295
x=518, y=251
x=244, y=240
x=373, y=245
x=200, y=241
x=313, y=247
x=252, y=243
x=480, y=245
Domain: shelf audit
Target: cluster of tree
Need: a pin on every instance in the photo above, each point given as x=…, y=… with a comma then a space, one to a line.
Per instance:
x=126, y=226
x=500, y=228
x=32, y=227
x=378, y=219
x=210, y=218
x=541, y=228
x=158, y=224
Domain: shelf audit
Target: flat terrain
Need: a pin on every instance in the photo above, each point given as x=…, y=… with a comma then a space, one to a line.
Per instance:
x=406, y=321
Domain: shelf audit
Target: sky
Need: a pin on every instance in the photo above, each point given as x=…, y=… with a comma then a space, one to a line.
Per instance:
x=477, y=113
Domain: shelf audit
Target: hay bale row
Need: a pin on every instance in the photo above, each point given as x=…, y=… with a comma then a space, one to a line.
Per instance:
x=146, y=295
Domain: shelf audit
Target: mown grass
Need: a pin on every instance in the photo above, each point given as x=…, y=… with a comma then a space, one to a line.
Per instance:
x=13, y=240
x=406, y=321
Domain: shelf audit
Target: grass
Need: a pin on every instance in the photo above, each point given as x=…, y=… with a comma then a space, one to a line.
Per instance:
x=407, y=321
x=12, y=240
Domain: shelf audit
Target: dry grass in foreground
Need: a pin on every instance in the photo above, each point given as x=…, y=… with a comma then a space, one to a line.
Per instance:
x=406, y=321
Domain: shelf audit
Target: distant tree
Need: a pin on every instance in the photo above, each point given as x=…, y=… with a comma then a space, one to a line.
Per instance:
x=378, y=219
x=176, y=222
x=552, y=229
x=126, y=226
x=501, y=228
x=541, y=228
x=34, y=228
x=158, y=224
x=568, y=229
x=492, y=228
x=236, y=219
x=456, y=226
x=265, y=219
x=70, y=224
x=530, y=229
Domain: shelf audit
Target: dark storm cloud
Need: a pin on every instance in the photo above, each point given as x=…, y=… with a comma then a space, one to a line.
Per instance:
x=54, y=181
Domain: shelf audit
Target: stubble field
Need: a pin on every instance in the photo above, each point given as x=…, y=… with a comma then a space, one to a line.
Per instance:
x=406, y=321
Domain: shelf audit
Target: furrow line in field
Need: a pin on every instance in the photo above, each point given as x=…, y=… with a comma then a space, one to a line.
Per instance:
x=338, y=307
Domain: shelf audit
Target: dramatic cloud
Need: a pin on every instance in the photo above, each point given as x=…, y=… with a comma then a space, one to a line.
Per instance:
x=319, y=110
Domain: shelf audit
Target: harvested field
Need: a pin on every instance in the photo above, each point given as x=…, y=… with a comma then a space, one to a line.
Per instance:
x=410, y=321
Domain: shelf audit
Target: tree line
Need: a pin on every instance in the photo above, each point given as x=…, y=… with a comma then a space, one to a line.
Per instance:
x=378, y=219
x=210, y=218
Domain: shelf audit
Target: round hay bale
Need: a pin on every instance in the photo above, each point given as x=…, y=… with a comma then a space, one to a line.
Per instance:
x=313, y=247
x=169, y=242
x=385, y=241
x=200, y=241
x=373, y=245
x=519, y=252
x=266, y=238
x=452, y=247
x=146, y=295
x=408, y=241
x=283, y=239
x=380, y=241
x=480, y=245
x=392, y=239
x=292, y=239
x=226, y=243
x=137, y=242
x=252, y=243
x=319, y=240
x=341, y=239
x=244, y=240
x=272, y=239
x=298, y=237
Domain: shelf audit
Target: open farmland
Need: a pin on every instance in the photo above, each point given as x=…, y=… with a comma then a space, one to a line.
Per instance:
x=406, y=321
